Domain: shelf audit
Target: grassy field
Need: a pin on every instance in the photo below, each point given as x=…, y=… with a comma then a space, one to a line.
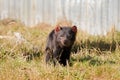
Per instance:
x=22, y=55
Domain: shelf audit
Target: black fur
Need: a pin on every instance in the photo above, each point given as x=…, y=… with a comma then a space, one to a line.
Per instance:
x=59, y=44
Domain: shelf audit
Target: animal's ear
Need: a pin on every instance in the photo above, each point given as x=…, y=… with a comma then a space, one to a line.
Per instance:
x=57, y=29
x=74, y=29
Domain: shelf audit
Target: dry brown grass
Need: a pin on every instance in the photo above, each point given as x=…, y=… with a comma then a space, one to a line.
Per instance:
x=96, y=58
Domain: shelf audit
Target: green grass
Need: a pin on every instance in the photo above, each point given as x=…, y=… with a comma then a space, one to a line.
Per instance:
x=93, y=57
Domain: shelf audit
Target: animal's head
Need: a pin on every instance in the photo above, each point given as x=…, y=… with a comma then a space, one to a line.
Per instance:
x=65, y=35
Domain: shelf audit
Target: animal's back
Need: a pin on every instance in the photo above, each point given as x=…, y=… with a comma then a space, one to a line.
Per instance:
x=50, y=40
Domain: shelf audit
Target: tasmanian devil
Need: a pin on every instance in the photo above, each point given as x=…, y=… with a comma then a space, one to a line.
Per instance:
x=59, y=44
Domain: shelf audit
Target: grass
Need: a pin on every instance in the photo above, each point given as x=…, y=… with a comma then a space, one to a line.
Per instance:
x=93, y=57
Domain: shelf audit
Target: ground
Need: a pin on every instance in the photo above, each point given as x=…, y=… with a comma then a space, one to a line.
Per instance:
x=22, y=55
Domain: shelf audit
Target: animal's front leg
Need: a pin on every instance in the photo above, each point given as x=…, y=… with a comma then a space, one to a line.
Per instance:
x=65, y=56
x=56, y=55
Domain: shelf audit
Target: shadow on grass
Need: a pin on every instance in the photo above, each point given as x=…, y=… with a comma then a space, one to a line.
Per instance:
x=31, y=53
x=98, y=45
x=93, y=61
x=24, y=52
